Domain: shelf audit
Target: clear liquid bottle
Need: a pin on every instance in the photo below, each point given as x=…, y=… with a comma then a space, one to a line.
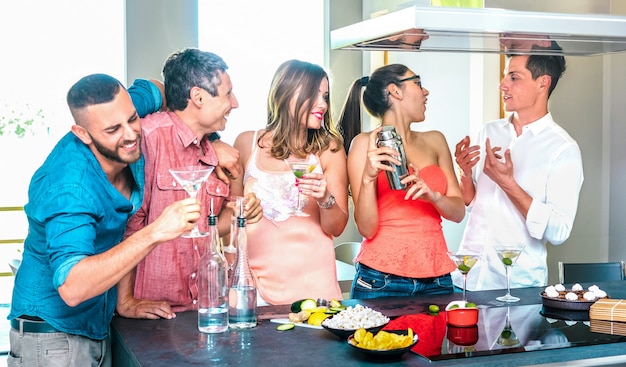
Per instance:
x=242, y=313
x=212, y=283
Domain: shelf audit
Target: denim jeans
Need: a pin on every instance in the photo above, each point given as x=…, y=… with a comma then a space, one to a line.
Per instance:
x=370, y=283
x=57, y=349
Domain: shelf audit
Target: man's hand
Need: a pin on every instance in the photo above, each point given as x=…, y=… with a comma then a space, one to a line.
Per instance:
x=143, y=309
x=501, y=172
x=177, y=218
x=466, y=156
x=228, y=161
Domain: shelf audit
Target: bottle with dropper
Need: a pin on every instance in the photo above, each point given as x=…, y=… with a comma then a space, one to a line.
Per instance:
x=242, y=313
x=212, y=283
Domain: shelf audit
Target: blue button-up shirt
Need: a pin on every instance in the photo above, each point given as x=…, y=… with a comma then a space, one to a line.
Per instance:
x=73, y=212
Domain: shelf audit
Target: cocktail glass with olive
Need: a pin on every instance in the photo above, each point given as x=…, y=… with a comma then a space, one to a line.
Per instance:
x=464, y=263
x=508, y=254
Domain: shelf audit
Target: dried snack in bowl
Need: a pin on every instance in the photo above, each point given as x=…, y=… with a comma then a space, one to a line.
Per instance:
x=383, y=340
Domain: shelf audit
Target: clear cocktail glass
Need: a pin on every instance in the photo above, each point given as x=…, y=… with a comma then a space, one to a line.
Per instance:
x=300, y=167
x=508, y=254
x=464, y=263
x=192, y=178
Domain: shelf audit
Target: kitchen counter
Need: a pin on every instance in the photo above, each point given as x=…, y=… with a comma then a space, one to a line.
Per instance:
x=177, y=342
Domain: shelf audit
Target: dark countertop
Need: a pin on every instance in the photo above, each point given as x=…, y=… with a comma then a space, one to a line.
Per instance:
x=177, y=342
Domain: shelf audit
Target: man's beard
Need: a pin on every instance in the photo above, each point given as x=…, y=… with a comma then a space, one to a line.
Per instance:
x=113, y=155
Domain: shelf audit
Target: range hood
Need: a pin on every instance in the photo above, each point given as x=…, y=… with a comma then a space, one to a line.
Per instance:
x=486, y=30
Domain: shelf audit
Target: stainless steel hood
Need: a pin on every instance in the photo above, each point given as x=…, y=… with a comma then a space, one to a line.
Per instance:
x=487, y=30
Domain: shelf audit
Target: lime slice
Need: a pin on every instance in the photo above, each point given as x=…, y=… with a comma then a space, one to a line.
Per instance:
x=285, y=327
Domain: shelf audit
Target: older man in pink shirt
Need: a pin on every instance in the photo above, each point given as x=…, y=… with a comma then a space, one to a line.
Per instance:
x=199, y=99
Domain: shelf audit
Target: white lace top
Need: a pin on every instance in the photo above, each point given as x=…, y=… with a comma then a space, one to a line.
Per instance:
x=276, y=189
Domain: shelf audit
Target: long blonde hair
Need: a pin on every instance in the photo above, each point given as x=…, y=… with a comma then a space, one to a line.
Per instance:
x=295, y=77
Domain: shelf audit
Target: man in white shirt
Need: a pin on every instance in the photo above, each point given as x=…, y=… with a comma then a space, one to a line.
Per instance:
x=522, y=180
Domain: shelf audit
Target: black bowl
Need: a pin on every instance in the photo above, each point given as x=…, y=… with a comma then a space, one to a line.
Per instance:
x=344, y=334
x=386, y=353
x=566, y=305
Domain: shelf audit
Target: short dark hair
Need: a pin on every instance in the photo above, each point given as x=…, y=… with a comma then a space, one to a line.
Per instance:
x=551, y=65
x=93, y=89
x=190, y=68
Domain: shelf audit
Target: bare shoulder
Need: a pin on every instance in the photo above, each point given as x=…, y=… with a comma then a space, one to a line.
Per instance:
x=361, y=141
x=244, y=139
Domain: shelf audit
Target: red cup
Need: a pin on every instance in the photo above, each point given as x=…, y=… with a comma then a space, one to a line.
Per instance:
x=463, y=336
x=462, y=316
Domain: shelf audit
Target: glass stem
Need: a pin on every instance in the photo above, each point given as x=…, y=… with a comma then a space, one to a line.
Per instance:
x=508, y=280
x=464, y=286
x=298, y=204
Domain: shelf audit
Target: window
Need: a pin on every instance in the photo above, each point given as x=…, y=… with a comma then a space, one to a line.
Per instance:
x=254, y=38
x=47, y=47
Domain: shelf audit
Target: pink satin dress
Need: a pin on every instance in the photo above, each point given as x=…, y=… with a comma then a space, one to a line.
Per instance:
x=290, y=257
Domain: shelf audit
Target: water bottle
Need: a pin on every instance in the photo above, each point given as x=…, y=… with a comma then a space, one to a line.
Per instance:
x=242, y=313
x=212, y=283
x=388, y=137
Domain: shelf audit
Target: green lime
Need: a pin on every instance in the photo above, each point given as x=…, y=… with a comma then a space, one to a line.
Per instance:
x=464, y=268
x=470, y=304
x=285, y=327
x=433, y=308
x=453, y=307
x=507, y=261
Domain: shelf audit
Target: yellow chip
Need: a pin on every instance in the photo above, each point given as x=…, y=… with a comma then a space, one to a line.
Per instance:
x=359, y=335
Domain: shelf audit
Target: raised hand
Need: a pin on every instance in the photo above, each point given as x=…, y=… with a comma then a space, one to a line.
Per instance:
x=466, y=156
x=500, y=171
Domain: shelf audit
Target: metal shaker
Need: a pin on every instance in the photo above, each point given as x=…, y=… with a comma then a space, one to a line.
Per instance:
x=388, y=137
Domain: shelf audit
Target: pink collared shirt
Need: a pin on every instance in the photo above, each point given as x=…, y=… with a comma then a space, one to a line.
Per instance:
x=169, y=272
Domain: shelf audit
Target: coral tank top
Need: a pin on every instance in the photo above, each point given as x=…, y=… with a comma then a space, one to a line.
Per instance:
x=409, y=241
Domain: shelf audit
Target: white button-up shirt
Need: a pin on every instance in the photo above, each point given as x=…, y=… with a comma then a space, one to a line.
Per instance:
x=547, y=164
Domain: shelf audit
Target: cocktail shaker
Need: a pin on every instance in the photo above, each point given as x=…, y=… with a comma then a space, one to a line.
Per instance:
x=388, y=137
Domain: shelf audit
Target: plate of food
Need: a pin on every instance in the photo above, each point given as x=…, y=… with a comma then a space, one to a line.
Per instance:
x=575, y=299
x=384, y=344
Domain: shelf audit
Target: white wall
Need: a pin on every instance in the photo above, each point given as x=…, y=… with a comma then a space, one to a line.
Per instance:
x=615, y=95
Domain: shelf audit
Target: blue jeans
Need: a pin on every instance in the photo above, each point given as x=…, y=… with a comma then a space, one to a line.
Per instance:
x=370, y=283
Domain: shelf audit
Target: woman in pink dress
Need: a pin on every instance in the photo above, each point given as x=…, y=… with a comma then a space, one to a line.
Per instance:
x=292, y=257
x=404, y=251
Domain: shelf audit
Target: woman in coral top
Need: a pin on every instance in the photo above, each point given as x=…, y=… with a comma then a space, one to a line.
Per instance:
x=293, y=257
x=404, y=251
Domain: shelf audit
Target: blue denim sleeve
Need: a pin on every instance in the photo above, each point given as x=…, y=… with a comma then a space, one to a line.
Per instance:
x=145, y=96
x=71, y=219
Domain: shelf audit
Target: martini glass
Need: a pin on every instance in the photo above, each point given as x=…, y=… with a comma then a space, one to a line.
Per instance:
x=507, y=337
x=464, y=263
x=191, y=179
x=300, y=167
x=508, y=255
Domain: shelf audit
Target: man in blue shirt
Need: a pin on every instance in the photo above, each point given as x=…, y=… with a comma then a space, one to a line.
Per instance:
x=79, y=202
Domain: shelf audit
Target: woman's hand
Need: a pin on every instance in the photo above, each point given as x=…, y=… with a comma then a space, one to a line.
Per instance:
x=417, y=188
x=378, y=158
x=314, y=185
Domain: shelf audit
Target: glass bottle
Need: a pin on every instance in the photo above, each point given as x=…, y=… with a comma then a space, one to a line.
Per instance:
x=242, y=296
x=212, y=283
